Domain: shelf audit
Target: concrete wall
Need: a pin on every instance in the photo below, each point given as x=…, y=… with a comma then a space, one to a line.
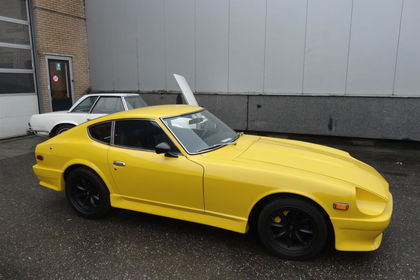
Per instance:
x=366, y=117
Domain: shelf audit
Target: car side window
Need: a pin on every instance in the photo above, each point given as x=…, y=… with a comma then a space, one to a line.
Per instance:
x=101, y=132
x=140, y=134
x=85, y=105
x=108, y=105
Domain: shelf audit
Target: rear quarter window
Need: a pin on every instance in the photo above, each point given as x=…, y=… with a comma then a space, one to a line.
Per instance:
x=101, y=132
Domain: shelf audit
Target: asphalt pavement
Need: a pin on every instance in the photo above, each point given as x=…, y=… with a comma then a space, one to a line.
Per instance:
x=42, y=238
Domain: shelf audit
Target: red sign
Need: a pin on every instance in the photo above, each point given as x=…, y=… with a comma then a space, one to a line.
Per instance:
x=55, y=78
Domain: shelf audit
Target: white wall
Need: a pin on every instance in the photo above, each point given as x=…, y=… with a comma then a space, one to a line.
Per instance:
x=15, y=111
x=309, y=47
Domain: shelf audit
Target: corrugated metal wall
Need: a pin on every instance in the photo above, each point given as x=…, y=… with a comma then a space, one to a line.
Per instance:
x=309, y=47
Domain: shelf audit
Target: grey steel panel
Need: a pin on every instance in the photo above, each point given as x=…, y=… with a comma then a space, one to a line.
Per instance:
x=179, y=38
x=243, y=46
x=99, y=24
x=407, y=81
x=373, y=45
x=327, y=41
x=212, y=45
x=124, y=47
x=246, y=45
x=285, y=40
x=151, y=44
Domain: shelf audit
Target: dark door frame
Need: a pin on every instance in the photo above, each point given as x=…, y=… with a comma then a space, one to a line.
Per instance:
x=70, y=85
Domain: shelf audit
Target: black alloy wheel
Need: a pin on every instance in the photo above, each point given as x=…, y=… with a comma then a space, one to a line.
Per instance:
x=292, y=228
x=87, y=193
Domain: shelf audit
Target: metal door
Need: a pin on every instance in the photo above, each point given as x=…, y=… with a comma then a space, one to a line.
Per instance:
x=60, y=84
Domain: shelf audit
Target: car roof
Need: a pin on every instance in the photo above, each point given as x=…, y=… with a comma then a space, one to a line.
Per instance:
x=112, y=94
x=154, y=112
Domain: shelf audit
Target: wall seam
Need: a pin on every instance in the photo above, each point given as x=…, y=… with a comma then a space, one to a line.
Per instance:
x=165, y=47
x=398, y=49
x=265, y=45
x=138, y=62
x=228, y=49
x=348, y=49
x=195, y=45
x=304, y=47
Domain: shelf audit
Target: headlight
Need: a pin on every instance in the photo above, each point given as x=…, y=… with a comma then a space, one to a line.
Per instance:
x=369, y=203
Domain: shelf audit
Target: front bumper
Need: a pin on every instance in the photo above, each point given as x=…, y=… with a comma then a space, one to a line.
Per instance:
x=361, y=234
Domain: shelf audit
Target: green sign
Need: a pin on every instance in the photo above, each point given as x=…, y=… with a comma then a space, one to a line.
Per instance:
x=58, y=66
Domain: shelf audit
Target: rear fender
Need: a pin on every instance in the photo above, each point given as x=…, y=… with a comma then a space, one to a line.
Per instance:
x=82, y=162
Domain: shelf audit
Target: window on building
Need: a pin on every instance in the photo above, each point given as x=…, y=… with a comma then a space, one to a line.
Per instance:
x=140, y=134
x=13, y=9
x=16, y=60
x=108, y=105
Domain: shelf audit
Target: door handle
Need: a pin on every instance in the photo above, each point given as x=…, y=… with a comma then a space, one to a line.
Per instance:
x=119, y=163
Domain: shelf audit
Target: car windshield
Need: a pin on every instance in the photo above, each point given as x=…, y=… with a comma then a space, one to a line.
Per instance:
x=200, y=132
x=134, y=102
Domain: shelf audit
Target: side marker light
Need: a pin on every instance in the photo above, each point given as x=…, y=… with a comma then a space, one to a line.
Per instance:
x=341, y=206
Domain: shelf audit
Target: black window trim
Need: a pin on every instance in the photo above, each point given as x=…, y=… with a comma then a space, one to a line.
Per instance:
x=112, y=142
x=99, y=123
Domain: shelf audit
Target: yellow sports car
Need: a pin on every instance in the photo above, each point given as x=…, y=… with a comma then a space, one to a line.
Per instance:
x=180, y=161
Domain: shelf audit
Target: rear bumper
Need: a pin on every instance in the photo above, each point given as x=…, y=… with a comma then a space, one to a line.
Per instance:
x=361, y=234
x=50, y=178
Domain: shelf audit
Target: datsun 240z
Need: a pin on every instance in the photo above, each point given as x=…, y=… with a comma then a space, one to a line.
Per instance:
x=182, y=162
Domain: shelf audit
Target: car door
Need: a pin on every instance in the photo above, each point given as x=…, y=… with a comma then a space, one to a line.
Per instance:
x=144, y=176
x=106, y=105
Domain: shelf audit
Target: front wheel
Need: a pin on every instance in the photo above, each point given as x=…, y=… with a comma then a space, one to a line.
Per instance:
x=87, y=193
x=292, y=228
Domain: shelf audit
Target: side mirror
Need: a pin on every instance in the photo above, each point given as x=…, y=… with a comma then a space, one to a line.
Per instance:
x=164, y=148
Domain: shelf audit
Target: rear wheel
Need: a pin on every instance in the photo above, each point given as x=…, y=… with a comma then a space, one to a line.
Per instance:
x=87, y=193
x=292, y=228
x=60, y=129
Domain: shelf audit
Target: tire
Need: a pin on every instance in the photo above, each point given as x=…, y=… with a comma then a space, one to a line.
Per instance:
x=60, y=129
x=87, y=193
x=292, y=228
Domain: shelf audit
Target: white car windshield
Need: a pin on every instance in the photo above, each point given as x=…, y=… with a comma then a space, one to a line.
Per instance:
x=200, y=132
x=134, y=102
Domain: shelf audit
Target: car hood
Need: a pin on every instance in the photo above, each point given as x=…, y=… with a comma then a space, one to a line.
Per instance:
x=316, y=159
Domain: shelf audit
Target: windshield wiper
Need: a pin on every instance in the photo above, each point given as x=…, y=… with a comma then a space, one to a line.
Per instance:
x=215, y=146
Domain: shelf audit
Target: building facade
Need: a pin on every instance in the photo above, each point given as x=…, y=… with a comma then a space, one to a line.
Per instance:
x=343, y=68
x=43, y=59
x=18, y=94
x=340, y=68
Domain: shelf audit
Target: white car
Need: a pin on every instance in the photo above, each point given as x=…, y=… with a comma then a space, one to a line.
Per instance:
x=88, y=107
x=93, y=106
